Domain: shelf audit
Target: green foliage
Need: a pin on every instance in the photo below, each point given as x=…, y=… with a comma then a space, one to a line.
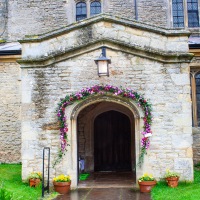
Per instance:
x=184, y=191
x=146, y=177
x=197, y=176
x=10, y=175
x=143, y=152
x=169, y=174
x=35, y=175
x=2, y=41
x=197, y=165
x=4, y=194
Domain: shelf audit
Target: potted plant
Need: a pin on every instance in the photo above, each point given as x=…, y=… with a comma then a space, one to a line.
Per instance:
x=62, y=183
x=172, y=178
x=34, y=179
x=146, y=182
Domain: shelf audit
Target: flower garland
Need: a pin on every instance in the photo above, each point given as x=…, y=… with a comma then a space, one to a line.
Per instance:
x=126, y=93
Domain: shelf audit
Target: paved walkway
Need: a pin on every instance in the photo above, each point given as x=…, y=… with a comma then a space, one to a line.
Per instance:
x=104, y=194
x=108, y=180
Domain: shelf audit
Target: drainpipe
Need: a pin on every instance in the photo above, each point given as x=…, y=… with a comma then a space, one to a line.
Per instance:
x=136, y=10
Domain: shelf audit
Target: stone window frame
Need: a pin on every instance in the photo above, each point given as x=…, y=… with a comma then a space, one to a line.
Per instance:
x=185, y=11
x=193, y=72
x=88, y=3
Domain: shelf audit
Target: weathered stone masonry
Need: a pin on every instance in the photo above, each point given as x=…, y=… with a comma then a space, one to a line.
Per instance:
x=196, y=145
x=35, y=17
x=144, y=58
x=154, y=12
x=51, y=73
x=3, y=18
x=10, y=111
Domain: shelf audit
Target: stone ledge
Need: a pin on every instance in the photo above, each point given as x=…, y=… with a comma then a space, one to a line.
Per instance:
x=165, y=57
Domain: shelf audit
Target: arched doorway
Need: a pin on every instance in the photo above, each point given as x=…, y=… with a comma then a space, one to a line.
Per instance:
x=81, y=132
x=112, y=142
x=106, y=143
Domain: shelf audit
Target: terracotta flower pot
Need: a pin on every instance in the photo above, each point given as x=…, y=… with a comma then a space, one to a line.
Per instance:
x=146, y=186
x=33, y=182
x=172, y=181
x=62, y=187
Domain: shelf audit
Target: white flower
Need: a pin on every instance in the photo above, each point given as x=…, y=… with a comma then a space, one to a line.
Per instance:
x=148, y=135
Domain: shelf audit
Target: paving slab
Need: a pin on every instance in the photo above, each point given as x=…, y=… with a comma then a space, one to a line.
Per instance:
x=104, y=194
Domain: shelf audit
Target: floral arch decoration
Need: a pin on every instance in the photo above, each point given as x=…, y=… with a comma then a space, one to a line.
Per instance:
x=102, y=90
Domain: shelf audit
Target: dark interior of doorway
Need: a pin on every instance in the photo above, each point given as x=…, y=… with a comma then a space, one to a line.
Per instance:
x=112, y=142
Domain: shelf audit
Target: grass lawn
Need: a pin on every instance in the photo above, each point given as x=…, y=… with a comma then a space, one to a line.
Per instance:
x=184, y=191
x=10, y=177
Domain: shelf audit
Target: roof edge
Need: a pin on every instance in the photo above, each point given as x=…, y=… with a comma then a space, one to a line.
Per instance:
x=107, y=18
x=115, y=45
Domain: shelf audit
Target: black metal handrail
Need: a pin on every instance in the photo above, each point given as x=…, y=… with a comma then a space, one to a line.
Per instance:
x=47, y=187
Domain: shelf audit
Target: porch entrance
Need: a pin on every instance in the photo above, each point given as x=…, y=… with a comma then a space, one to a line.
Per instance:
x=106, y=145
x=112, y=142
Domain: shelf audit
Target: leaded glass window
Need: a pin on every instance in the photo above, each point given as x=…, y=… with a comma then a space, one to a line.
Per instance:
x=95, y=8
x=178, y=13
x=81, y=11
x=193, y=16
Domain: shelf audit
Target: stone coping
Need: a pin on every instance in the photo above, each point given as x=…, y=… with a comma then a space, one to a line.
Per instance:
x=106, y=18
x=165, y=57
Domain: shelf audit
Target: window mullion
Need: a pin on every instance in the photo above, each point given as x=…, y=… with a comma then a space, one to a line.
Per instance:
x=185, y=13
x=194, y=98
x=88, y=8
x=198, y=10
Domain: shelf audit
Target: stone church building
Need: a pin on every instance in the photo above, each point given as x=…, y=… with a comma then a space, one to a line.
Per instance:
x=50, y=49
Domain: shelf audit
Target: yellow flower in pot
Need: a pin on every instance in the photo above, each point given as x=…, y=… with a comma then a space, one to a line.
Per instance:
x=34, y=179
x=172, y=178
x=62, y=183
x=146, y=182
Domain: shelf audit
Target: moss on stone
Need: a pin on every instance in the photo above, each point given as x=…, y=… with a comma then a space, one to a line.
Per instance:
x=2, y=41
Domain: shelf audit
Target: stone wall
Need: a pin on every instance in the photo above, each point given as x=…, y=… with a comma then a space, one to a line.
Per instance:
x=3, y=19
x=149, y=60
x=39, y=16
x=120, y=8
x=154, y=12
x=35, y=17
x=10, y=120
x=196, y=145
x=148, y=38
x=170, y=96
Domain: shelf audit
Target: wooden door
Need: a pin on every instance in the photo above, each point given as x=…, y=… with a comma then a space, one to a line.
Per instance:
x=112, y=142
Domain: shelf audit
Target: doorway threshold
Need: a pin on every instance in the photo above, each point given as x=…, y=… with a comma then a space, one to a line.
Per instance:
x=109, y=180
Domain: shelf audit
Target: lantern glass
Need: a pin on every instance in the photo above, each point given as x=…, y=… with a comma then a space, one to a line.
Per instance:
x=103, y=67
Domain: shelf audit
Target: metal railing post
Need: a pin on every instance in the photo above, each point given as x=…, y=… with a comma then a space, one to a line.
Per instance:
x=47, y=187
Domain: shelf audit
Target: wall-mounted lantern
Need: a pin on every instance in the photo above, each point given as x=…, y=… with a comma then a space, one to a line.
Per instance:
x=102, y=63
